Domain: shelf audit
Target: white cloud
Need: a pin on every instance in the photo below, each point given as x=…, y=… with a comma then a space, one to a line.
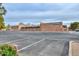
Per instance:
x=55, y=12
x=39, y=14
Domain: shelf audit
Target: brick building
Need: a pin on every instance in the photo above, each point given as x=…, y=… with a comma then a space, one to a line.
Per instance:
x=31, y=28
x=53, y=27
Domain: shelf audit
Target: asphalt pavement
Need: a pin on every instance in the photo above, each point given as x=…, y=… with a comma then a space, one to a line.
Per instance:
x=39, y=43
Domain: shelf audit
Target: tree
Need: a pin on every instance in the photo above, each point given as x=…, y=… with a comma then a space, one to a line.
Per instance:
x=8, y=27
x=2, y=25
x=74, y=25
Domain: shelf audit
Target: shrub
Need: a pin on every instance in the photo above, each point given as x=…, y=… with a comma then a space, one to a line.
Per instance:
x=8, y=50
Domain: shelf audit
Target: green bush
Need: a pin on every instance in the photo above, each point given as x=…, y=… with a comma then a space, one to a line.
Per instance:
x=8, y=50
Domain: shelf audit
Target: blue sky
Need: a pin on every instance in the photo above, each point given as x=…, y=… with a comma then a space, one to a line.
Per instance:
x=35, y=13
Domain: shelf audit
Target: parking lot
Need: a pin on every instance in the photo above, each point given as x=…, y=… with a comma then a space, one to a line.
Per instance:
x=39, y=43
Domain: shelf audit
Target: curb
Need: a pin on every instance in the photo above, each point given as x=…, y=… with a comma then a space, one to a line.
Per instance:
x=70, y=48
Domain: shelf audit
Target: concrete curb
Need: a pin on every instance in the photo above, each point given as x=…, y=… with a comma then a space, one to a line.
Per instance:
x=70, y=48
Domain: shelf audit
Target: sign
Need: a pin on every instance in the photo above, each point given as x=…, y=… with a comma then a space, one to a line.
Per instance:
x=2, y=11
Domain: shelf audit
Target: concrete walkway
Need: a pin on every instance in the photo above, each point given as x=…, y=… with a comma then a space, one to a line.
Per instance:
x=74, y=48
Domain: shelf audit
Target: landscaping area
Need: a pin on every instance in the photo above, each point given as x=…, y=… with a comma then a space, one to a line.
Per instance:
x=8, y=50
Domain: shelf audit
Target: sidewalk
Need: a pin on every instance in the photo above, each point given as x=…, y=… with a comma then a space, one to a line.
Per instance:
x=73, y=48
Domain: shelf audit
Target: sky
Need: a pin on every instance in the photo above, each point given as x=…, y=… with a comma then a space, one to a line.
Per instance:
x=34, y=13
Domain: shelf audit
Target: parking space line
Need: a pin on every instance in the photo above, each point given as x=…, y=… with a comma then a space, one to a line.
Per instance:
x=1, y=42
x=15, y=40
x=30, y=45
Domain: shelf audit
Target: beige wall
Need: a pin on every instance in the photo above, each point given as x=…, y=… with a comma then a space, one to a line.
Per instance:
x=30, y=28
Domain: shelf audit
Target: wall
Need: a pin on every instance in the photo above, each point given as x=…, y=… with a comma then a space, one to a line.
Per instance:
x=30, y=28
x=51, y=27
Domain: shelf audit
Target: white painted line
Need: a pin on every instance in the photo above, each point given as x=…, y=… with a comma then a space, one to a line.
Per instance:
x=2, y=41
x=30, y=45
x=15, y=40
x=12, y=41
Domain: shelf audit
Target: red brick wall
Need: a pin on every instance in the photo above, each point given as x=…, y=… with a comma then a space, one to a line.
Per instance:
x=51, y=27
x=46, y=27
